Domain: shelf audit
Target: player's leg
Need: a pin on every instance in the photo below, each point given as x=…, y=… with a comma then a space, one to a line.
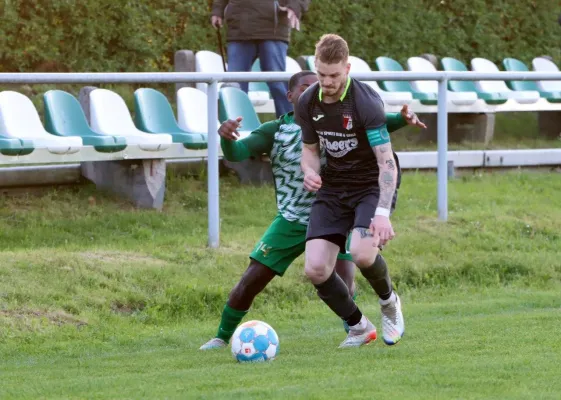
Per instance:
x=279, y=246
x=365, y=252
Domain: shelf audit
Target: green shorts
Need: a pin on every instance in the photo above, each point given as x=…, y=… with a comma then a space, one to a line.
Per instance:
x=281, y=244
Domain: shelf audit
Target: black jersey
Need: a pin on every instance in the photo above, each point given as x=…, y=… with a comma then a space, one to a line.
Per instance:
x=340, y=128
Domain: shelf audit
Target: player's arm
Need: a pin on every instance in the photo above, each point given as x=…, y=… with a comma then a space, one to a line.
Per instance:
x=258, y=142
x=396, y=121
x=311, y=158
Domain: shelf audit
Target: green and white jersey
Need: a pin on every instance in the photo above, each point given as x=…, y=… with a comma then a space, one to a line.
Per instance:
x=281, y=140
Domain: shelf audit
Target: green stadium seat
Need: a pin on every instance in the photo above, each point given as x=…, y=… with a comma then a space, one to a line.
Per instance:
x=388, y=64
x=155, y=115
x=452, y=64
x=15, y=147
x=234, y=103
x=258, y=86
x=512, y=64
x=64, y=117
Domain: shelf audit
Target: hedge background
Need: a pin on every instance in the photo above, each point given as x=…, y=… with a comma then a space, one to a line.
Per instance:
x=123, y=35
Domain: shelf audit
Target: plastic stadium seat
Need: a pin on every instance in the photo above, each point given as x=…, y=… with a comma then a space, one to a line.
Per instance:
x=311, y=62
x=258, y=92
x=419, y=64
x=388, y=64
x=192, y=111
x=15, y=147
x=155, y=115
x=544, y=65
x=391, y=98
x=512, y=64
x=19, y=119
x=208, y=62
x=451, y=64
x=292, y=65
x=234, y=103
x=64, y=117
x=479, y=64
x=110, y=116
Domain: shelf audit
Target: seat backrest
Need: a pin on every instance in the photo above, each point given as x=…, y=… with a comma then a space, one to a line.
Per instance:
x=192, y=110
x=479, y=64
x=153, y=113
x=19, y=117
x=311, y=61
x=419, y=64
x=234, y=103
x=389, y=64
x=292, y=65
x=544, y=65
x=512, y=64
x=257, y=86
x=109, y=113
x=359, y=65
x=63, y=114
x=452, y=64
x=208, y=62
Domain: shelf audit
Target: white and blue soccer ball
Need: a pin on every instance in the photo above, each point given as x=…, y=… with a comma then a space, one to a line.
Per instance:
x=255, y=341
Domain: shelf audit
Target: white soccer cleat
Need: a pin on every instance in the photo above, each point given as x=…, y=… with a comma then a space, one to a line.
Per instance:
x=358, y=336
x=393, y=325
x=215, y=343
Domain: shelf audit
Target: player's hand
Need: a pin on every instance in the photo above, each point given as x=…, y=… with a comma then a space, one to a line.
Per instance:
x=292, y=18
x=411, y=118
x=216, y=21
x=229, y=129
x=381, y=228
x=312, y=181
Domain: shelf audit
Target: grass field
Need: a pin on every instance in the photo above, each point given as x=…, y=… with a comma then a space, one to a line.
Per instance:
x=99, y=300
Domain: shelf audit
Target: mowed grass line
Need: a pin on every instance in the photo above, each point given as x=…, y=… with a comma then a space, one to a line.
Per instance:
x=99, y=300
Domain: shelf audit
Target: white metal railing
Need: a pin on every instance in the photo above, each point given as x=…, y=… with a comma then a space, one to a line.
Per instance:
x=212, y=92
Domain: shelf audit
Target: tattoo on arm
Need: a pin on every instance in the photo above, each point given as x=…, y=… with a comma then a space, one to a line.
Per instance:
x=364, y=232
x=390, y=164
x=388, y=174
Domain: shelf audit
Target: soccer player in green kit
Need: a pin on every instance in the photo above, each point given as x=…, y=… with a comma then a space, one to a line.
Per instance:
x=285, y=239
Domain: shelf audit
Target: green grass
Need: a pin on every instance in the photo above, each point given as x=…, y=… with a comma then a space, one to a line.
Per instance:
x=100, y=300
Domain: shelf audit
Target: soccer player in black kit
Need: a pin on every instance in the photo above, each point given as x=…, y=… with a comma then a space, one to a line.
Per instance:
x=356, y=190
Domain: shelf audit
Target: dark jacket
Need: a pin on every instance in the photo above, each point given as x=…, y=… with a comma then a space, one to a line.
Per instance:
x=257, y=19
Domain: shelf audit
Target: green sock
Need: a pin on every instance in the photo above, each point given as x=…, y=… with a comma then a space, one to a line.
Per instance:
x=230, y=320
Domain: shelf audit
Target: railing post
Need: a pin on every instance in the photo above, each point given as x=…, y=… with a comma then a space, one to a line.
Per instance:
x=442, y=142
x=212, y=167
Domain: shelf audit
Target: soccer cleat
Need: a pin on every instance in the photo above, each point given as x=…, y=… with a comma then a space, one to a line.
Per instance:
x=393, y=325
x=215, y=343
x=357, y=337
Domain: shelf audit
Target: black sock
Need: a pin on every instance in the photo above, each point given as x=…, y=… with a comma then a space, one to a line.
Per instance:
x=336, y=295
x=378, y=277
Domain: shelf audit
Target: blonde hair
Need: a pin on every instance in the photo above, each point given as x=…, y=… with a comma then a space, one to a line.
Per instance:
x=332, y=49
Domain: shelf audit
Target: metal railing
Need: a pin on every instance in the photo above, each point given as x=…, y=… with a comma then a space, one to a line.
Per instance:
x=212, y=91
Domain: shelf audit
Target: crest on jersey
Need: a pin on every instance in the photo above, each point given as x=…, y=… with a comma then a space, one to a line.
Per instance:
x=347, y=121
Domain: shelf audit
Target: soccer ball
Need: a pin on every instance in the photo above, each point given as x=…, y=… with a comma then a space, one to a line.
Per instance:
x=255, y=341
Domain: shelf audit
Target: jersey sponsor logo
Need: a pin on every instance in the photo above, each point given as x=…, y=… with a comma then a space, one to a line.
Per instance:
x=338, y=144
x=318, y=117
x=347, y=121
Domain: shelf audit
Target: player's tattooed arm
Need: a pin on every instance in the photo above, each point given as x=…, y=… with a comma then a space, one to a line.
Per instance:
x=388, y=174
x=311, y=165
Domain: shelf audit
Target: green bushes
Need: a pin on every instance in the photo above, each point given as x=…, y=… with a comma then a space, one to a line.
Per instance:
x=108, y=35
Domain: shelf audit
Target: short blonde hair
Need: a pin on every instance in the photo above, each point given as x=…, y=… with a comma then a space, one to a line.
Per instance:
x=332, y=49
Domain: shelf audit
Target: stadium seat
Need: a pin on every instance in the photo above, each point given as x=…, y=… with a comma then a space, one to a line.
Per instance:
x=258, y=92
x=64, y=117
x=15, y=147
x=234, y=103
x=452, y=64
x=311, y=62
x=512, y=64
x=192, y=111
x=154, y=114
x=208, y=62
x=292, y=65
x=388, y=64
x=110, y=115
x=391, y=98
x=419, y=64
x=544, y=65
x=479, y=64
x=19, y=119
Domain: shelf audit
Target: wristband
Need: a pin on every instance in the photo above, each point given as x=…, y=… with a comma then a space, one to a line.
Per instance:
x=382, y=211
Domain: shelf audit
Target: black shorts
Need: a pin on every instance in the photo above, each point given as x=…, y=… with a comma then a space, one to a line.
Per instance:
x=335, y=214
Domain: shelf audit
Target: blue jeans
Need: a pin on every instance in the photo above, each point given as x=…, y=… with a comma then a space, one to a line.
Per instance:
x=272, y=56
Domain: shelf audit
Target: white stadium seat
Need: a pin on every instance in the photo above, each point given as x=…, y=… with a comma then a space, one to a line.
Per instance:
x=19, y=119
x=208, y=62
x=292, y=65
x=391, y=98
x=544, y=65
x=192, y=114
x=419, y=64
x=483, y=65
x=110, y=116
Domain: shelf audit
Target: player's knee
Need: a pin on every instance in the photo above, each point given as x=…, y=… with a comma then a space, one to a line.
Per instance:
x=364, y=257
x=316, y=269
